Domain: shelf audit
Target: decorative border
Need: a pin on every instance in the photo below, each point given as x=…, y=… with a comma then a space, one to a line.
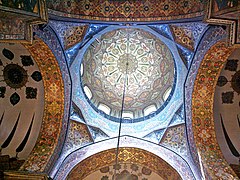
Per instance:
x=127, y=11
x=126, y=155
x=53, y=108
x=127, y=19
x=185, y=169
x=48, y=35
x=202, y=115
x=210, y=37
x=24, y=175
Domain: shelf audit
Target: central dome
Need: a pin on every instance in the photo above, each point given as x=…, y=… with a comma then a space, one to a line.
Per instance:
x=133, y=57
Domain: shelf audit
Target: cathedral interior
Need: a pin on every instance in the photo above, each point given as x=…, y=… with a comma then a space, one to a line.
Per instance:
x=78, y=81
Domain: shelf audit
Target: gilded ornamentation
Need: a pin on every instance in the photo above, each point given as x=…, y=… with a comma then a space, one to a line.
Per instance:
x=124, y=171
x=74, y=35
x=202, y=115
x=183, y=36
x=175, y=139
x=53, y=110
x=212, y=35
x=126, y=155
x=78, y=136
x=149, y=10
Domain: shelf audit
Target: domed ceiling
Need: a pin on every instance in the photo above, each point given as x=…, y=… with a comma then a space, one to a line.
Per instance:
x=95, y=53
x=141, y=62
x=132, y=64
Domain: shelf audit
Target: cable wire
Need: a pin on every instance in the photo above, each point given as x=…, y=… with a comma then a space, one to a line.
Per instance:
x=121, y=118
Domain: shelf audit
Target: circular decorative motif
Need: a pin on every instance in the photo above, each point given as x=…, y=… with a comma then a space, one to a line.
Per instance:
x=127, y=63
x=15, y=76
x=235, y=83
x=132, y=57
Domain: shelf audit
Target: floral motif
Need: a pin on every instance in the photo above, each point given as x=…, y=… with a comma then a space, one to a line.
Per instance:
x=15, y=76
x=204, y=140
x=183, y=36
x=222, y=80
x=53, y=107
x=127, y=10
x=135, y=55
x=204, y=135
x=36, y=76
x=134, y=167
x=175, y=139
x=78, y=136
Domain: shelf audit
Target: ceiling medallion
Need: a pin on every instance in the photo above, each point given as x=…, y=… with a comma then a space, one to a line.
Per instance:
x=133, y=56
x=15, y=76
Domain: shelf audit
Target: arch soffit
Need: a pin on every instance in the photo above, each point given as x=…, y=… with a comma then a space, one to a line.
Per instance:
x=126, y=11
x=126, y=155
x=208, y=149
x=53, y=107
x=184, y=169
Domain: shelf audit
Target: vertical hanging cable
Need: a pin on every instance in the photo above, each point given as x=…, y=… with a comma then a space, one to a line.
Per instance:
x=121, y=116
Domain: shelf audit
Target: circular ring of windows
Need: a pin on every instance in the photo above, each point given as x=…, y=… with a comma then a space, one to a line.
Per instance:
x=128, y=73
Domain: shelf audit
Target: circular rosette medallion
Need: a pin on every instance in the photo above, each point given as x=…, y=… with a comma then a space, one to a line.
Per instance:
x=132, y=58
x=15, y=76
